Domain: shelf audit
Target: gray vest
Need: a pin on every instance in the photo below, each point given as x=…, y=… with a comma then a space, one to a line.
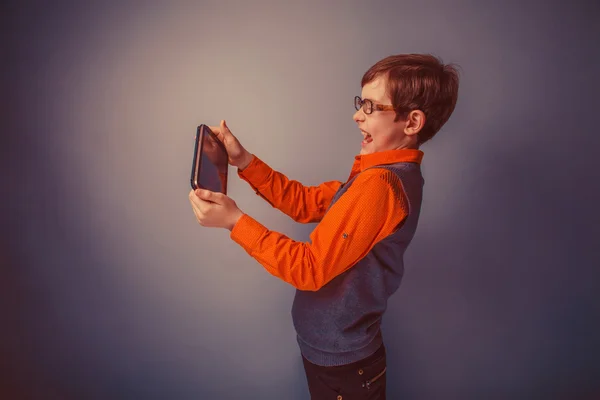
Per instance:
x=340, y=323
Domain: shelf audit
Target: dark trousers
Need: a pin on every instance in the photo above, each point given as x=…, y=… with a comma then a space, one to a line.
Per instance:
x=361, y=380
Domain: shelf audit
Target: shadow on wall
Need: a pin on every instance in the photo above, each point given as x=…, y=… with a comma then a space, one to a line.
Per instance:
x=503, y=297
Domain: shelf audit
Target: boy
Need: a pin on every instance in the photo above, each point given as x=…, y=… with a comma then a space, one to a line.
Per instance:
x=354, y=260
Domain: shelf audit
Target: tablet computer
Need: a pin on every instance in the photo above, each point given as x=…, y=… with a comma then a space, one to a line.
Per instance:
x=210, y=163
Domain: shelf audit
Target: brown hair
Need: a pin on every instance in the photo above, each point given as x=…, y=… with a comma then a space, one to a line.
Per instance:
x=419, y=82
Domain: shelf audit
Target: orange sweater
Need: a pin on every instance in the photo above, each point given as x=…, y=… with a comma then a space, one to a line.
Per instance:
x=365, y=214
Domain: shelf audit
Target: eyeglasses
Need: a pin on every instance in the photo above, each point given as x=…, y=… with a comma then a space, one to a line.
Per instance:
x=368, y=106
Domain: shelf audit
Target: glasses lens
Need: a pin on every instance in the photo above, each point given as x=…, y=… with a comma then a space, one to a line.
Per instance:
x=357, y=103
x=368, y=106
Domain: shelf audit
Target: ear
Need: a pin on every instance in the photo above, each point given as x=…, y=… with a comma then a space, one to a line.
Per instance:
x=415, y=121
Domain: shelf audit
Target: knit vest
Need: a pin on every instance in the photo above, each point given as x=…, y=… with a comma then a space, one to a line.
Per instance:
x=340, y=323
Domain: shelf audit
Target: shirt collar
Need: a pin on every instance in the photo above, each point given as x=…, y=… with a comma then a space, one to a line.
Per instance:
x=389, y=157
x=362, y=162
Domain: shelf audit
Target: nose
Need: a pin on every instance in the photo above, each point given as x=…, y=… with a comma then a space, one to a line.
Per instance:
x=359, y=116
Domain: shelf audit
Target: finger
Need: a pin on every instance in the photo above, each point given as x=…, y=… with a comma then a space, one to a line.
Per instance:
x=194, y=202
x=191, y=195
x=200, y=204
x=204, y=194
x=217, y=131
x=225, y=129
x=210, y=196
x=197, y=213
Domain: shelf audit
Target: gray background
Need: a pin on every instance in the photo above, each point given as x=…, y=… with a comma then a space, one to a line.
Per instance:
x=110, y=288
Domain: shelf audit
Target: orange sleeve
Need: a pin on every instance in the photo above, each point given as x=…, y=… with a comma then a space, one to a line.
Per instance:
x=302, y=203
x=371, y=209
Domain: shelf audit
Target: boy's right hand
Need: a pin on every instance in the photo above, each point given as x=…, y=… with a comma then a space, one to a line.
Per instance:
x=238, y=156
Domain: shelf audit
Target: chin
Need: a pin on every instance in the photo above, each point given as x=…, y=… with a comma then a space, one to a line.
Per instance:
x=367, y=150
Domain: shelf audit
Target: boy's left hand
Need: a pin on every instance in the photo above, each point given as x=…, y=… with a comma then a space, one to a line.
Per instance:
x=214, y=210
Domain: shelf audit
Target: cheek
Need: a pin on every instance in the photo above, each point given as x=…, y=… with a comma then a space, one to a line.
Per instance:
x=384, y=129
x=381, y=132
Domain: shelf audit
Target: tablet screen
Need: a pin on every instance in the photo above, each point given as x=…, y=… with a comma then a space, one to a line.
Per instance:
x=211, y=162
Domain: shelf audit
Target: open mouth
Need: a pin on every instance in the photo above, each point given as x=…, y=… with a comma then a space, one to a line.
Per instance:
x=367, y=139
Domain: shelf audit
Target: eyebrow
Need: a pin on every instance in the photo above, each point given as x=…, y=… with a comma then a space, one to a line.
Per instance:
x=373, y=100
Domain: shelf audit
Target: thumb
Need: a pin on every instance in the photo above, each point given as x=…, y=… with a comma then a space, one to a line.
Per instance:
x=225, y=129
x=204, y=194
x=210, y=196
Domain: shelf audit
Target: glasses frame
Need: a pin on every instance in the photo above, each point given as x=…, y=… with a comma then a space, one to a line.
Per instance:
x=368, y=106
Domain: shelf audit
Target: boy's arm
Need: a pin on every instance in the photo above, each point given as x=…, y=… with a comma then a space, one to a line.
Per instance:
x=302, y=203
x=372, y=208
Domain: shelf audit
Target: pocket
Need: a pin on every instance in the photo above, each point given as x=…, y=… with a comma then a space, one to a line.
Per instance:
x=369, y=382
x=373, y=371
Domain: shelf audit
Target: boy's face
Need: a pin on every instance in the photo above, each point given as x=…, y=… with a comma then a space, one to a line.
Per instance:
x=380, y=132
